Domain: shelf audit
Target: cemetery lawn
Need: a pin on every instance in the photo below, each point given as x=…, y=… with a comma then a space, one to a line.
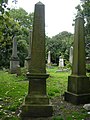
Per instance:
x=14, y=88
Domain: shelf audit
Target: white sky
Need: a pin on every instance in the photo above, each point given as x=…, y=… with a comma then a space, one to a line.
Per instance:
x=59, y=14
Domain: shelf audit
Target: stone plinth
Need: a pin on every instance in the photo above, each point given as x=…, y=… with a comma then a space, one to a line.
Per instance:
x=37, y=102
x=14, y=63
x=78, y=91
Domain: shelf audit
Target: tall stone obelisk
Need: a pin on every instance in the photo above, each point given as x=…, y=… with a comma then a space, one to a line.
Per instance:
x=78, y=83
x=36, y=102
x=14, y=61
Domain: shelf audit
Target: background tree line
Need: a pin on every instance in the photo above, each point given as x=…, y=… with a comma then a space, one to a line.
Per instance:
x=18, y=22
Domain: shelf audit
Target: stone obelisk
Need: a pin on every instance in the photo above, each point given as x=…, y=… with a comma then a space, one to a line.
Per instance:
x=14, y=61
x=28, y=58
x=78, y=83
x=36, y=102
x=71, y=55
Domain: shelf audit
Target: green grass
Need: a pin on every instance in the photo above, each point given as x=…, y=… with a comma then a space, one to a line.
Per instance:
x=13, y=90
x=57, y=82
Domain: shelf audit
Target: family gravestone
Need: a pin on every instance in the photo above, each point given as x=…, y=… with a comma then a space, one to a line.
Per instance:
x=14, y=61
x=78, y=83
x=61, y=62
x=36, y=102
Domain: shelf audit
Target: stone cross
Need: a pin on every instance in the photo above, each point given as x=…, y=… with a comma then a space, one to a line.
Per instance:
x=61, y=62
x=78, y=83
x=36, y=102
x=71, y=55
x=14, y=61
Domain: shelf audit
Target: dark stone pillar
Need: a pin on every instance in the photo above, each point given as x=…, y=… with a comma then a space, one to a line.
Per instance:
x=78, y=83
x=36, y=102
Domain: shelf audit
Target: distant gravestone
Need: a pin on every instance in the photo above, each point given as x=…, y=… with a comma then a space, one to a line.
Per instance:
x=78, y=91
x=71, y=55
x=14, y=61
x=36, y=102
x=49, y=57
x=61, y=62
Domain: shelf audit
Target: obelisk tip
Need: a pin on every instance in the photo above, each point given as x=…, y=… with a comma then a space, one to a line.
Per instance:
x=39, y=3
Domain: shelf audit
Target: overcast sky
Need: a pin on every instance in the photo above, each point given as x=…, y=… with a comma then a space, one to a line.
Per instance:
x=59, y=14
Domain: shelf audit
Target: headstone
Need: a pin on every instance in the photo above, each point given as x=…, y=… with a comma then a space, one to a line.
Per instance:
x=71, y=55
x=28, y=58
x=61, y=62
x=14, y=61
x=78, y=91
x=36, y=102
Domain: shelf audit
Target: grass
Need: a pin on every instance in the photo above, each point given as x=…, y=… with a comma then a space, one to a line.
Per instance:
x=57, y=82
x=13, y=90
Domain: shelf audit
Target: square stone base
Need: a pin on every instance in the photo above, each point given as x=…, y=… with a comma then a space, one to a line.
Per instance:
x=77, y=98
x=29, y=111
x=78, y=91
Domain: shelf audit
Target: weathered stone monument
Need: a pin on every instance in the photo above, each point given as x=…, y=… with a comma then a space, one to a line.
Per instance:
x=71, y=55
x=61, y=62
x=28, y=58
x=36, y=102
x=14, y=61
x=78, y=83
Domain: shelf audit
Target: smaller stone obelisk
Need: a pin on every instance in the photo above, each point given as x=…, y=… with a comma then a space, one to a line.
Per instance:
x=37, y=102
x=71, y=54
x=28, y=58
x=49, y=58
x=14, y=61
x=78, y=83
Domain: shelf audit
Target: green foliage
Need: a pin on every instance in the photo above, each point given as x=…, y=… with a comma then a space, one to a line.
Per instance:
x=22, y=17
x=59, y=45
x=8, y=27
x=14, y=22
x=84, y=8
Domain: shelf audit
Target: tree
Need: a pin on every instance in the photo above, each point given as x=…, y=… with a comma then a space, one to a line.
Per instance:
x=25, y=21
x=86, y=13
x=59, y=45
x=84, y=8
x=8, y=27
x=11, y=25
